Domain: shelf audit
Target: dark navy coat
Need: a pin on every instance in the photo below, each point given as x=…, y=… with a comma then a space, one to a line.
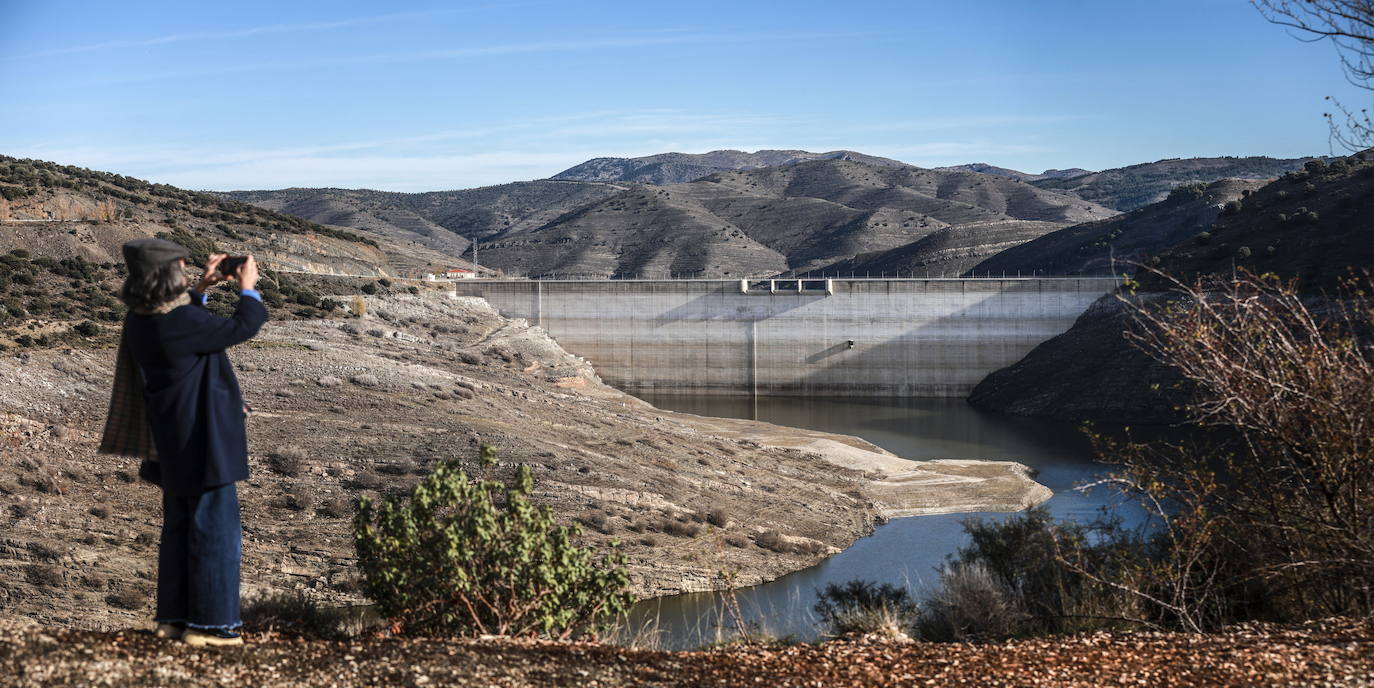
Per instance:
x=193, y=401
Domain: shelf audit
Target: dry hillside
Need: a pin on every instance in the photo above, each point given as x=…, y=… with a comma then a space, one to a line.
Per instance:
x=1095, y=248
x=1135, y=186
x=445, y=221
x=761, y=222
x=677, y=168
x=1312, y=225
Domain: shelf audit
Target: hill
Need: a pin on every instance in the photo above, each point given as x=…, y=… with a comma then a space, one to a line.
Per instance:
x=445, y=221
x=677, y=168
x=1128, y=188
x=1017, y=174
x=1099, y=247
x=797, y=218
x=1311, y=225
x=64, y=211
x=947, y=252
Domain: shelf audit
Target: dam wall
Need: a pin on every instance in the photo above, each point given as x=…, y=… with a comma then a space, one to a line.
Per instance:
x=834, y=337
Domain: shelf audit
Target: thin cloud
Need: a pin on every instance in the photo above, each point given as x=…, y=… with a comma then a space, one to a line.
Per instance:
x=654, y=39
x=254, y=31
x=966, y=122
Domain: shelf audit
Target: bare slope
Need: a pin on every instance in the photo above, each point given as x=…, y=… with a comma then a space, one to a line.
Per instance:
x=1092, y=247
x=676, y=168
x=761, y=222
x=66, y=211
x=1017, y=174
x=948, y=252
x=1128, y=188
x=1311, y=225
x=445, y=221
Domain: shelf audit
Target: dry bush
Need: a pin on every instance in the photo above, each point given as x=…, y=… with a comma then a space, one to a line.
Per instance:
x=678, y=528
x=126, y=599
x=972, y=605
x=100, y=511
x=772, y=540
x=366, y=480
x=719, y=517
x=43, y=575
x=292, y=613
x=597, y=521
x=43, y=551
x=864, y=607
x=399, y=468
x=337, y=507
x=289, y=461
x=1280, y=517
x=298, y=501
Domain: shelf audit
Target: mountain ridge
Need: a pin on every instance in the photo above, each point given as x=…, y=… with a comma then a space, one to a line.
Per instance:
x=678, y=168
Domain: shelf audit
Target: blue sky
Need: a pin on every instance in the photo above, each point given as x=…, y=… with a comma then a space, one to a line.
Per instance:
x=423, y=96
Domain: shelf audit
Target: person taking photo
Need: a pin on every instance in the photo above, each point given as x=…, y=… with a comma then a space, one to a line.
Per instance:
x=176, y=404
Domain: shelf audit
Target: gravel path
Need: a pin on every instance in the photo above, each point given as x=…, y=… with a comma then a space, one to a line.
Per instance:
x=1332, y=653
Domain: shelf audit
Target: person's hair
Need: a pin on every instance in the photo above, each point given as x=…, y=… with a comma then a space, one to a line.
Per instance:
x=146, y=290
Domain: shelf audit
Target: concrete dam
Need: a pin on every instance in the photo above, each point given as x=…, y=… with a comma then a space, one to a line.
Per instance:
x=918, y=337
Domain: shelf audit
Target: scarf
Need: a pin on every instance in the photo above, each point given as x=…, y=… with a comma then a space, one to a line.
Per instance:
x=127, y=432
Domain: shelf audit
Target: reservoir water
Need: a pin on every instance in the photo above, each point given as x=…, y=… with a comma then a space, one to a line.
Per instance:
x=904, y=551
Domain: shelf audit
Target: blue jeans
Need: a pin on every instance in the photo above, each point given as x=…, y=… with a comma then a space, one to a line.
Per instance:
x=198, y=562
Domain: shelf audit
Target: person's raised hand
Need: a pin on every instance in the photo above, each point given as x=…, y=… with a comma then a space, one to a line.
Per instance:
x=248, y=274
x=211, y=276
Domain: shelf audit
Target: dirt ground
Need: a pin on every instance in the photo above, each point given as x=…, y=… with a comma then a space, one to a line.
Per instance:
x=366, y=405
x=1329, y=653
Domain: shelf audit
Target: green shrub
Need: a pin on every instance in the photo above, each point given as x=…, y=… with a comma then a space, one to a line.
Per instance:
x=200, y=247
x=1188, y=192
x=466, y=557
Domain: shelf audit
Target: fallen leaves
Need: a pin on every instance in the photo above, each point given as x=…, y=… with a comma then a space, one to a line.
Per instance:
x=1330, y=653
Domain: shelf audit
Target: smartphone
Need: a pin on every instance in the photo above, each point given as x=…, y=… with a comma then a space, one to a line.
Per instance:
x=229, y=267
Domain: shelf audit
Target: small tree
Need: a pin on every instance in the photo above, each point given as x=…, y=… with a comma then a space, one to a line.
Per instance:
x=471, y=557
x=1283, y=515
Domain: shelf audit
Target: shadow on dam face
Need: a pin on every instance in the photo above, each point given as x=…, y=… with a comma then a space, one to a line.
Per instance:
x=868, y=337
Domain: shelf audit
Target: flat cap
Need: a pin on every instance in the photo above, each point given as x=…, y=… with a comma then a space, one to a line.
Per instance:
x=146, y=255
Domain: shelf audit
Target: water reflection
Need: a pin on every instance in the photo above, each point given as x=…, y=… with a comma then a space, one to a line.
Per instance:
x=906, y=551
